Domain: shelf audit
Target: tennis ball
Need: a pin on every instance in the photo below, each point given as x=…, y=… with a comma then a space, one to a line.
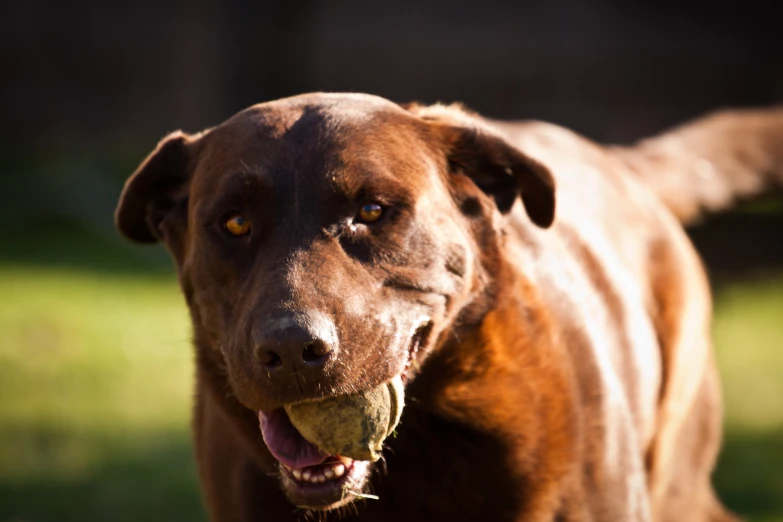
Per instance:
x=353, y=426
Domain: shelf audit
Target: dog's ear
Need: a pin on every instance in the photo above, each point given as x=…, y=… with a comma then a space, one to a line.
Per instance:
x=157, y=189
x=498, y=168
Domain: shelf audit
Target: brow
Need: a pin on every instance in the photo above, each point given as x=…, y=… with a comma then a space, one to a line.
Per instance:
x=239, y=189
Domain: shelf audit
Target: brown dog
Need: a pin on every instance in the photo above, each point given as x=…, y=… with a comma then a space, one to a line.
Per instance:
x=558, y=364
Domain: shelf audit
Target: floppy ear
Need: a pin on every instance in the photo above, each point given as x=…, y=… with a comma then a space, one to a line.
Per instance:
x=499, y=169
x=155, y=190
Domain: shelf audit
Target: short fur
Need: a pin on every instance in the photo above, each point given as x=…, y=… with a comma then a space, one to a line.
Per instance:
x=564, y=369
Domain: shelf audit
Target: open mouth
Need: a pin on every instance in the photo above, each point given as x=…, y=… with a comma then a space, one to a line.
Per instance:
x=311, y=478
x=331, y=484
x=315, y=479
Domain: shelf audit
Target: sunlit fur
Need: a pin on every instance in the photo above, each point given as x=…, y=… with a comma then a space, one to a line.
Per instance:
x=567, y=371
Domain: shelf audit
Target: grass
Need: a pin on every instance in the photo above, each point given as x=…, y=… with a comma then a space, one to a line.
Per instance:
x=748, y=331
x=96, y=375
x=95, y=380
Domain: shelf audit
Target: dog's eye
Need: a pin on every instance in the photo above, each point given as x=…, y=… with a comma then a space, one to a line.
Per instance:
x=237, y=225
x=370, y=212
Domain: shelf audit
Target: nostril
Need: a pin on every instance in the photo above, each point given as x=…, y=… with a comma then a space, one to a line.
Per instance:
x=269, y=359
x=316, y=352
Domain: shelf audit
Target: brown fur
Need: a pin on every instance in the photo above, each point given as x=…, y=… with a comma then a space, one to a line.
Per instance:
x=565, y=372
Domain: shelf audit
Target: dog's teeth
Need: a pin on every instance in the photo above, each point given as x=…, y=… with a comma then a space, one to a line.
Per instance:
x=329, y=473
x=339, y=470
x=297, y=474
x=321, y=479
x=314, y=479
x=306, y=474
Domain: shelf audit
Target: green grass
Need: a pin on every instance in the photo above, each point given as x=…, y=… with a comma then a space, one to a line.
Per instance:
x=95, y=384
x=748, y=332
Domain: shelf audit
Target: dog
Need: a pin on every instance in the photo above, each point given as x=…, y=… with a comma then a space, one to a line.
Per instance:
x=535, y=291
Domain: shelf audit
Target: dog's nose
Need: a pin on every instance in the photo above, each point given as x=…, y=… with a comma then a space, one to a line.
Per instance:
x=292, y=345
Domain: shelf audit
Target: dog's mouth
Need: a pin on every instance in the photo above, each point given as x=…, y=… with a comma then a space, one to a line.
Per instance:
x=311, y=479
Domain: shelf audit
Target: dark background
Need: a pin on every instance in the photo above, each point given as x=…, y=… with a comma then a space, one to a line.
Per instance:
x=87, y=88
x=615, y=70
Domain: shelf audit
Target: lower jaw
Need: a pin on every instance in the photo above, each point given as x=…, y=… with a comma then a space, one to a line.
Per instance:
x=328, y=495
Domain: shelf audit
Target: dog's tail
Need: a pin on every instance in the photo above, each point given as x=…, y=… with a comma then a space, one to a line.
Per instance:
x=708, y=164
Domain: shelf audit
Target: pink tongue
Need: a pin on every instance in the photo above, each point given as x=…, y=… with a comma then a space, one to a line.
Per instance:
x=285, y=443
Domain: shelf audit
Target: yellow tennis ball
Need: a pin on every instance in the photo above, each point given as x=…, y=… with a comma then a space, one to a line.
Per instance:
x=353, y=426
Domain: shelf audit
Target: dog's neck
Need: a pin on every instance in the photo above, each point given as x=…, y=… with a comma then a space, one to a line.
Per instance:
x=479, y=356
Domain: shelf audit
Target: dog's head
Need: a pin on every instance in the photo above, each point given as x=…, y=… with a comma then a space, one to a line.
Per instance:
x=324, y=245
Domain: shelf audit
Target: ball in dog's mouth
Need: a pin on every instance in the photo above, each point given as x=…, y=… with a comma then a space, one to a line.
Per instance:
x=325, y=446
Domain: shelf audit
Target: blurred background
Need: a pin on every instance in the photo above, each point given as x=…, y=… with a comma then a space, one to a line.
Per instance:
x=95, y=364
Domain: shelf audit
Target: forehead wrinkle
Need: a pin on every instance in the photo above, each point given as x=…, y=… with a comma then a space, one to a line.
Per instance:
x=310, y=144
x=239, y=145
x=237, y=170
x=283, y=148
x=246, y=189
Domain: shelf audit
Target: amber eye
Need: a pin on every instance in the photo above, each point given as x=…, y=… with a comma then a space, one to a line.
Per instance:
x=370, y=212
x=237, y=225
